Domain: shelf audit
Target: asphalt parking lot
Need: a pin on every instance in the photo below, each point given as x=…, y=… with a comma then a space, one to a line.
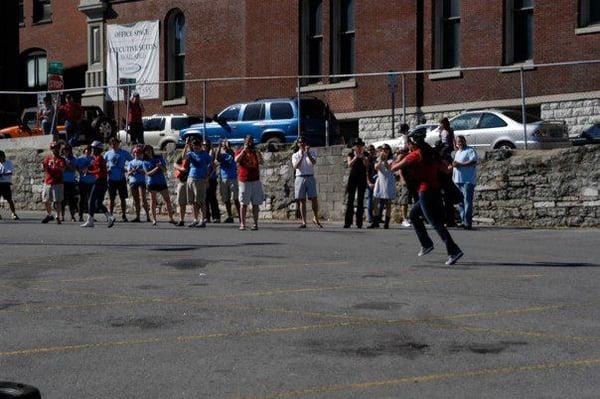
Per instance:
x=165, y=312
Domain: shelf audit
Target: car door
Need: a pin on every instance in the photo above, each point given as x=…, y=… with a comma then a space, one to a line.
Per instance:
x=225, y=125
x=153, y=127
x=253, y=121
x=491, y=128
x=466, y=125
x=281, y=116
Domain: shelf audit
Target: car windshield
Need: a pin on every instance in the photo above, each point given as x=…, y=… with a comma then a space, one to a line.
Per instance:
x=517, y=116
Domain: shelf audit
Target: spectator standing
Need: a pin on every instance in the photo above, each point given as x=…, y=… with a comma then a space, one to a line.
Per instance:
x=212, y=203
x=251, y=190
x=72, y=113
x=446, y=139
x=99, y=170
x=181, y=170
x=200, y=162
x=6, y=172
x=357, y=183
x=116, y=159
x=154, y=168
x=305, y=184
x=371, y=155
x=137, y=183
x=134, y=119
x=229, y=184
x=426, y=166
x=385, y=187
x=464, y=176
x=71, y=195
x=407, y=193
x=54, y=166
x=46, y=116
x=86, y=180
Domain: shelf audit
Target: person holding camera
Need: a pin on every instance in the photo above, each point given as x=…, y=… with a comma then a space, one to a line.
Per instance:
x=229, y=184
x=357, y=183
x=251, y=190
x=137, y=183
x=213, y=213
x=200, y=162
x=305, y=184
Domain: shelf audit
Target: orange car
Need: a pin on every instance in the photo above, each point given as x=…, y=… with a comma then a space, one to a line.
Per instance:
x=28, y=127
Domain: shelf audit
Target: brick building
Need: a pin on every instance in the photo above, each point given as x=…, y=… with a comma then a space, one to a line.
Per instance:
x=235, y=38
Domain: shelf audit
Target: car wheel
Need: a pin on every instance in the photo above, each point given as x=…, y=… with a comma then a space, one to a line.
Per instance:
x=274, y=143
x=169, y=147
x=104, y=129
x=504, y=145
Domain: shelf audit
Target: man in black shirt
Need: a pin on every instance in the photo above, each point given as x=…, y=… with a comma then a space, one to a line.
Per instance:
x=357, y=183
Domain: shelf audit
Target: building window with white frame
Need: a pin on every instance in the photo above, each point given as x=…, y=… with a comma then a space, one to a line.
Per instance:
x=589, y=13
x=42, y=11
x=519, y=31
x=175, y=68
x=447, y=38
x=311, y=40
x=342, y=38
x=36, y=70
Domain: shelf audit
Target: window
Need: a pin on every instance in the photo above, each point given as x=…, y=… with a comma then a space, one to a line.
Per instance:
x=254, y=112
x=517, y=116
x=21, y=12
x=342, y=37
x=36, y=70
x=42, y=10
x=312, y=109
x=465, y=122
x=519, y=31
x=448, y=34
x=281, y=111
x=491, y=121
x=95, y=45
x=154, y=124
x=231, y=114
x=311, y=57
x=175, y=54
x=179, y=123
x=589, y=13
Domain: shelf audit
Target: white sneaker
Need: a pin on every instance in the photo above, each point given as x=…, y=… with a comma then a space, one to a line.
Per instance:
x=406, y=223
x=89, y=223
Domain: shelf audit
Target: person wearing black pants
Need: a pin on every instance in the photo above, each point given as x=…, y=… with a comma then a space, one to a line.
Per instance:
x=86, y=181
x=426, y=166
x=357, y=183
x=98, y=168
x=212, y=203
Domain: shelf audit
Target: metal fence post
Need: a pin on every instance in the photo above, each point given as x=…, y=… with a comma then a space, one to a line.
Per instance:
x=403, y=98
x=204, y=110
x=299, y=107
x=522, y=74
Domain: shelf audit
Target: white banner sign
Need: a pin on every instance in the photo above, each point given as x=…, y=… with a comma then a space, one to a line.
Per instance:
x=134, y=53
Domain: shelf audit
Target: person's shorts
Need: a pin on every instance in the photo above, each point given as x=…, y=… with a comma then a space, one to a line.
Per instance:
x=197, y=192
x=157, y=188
x=5, y=191
x=115, y=187
x=53, y=193
x=251, y=192
x=404, y=197
x=137, y=185
x=230, y=190
x=305, y=187
x=182, y=193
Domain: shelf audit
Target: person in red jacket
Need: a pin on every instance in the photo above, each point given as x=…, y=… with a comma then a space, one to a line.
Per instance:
x=53, y=193
x=72, y=112
x=98, y=168
x=134, y=119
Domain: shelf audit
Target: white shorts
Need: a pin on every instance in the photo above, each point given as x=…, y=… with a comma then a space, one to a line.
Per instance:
x=251, y=192
x=229, y=190
x=305, y=187
x=53, y=193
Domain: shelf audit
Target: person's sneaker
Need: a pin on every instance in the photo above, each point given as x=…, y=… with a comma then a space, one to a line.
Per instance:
x=302, y=226
x=111, y=221
x=346, y=226
x=89, y=223
x=73, y=219
x=242, y=227
x=193, y=224
x=15, y=217
x=154, y=223
x=425, y=251
x=452, y=259
x=254, y=227
x=58, y=221
x=124, y=220
x=202, y=225
x=217, y=221
x=406, y=223
x=228, y=220
x=47, y=219
x=181, y=223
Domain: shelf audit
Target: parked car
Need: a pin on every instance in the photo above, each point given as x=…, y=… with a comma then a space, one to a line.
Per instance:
x=162, y=130
x=271, y=121
x=27, y=126
x=399, y=141
x=494, y=129
x=590, y=135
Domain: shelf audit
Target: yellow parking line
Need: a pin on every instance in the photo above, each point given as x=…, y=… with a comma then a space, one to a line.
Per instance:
x=430, y=378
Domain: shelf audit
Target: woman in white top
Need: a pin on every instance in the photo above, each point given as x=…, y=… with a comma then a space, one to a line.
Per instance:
x=385, y=186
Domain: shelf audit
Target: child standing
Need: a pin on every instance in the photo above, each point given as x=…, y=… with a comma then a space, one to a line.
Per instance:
x=137, y=183
x=385, y=186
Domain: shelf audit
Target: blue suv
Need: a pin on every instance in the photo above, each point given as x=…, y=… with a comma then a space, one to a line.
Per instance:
x=272, y=121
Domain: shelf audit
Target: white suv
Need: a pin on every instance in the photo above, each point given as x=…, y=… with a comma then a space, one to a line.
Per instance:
x=161, y=131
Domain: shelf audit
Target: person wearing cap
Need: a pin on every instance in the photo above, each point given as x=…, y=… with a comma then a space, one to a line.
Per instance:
x=99, y=170
x=86, y=180
x=116, y=159
x=72, y=113
x=54, y=166
x=357, y=183
x=305, y=184
x=71, y=195
x=137, y=183
x=134, y=119
x=426, y=165
x=6, y=172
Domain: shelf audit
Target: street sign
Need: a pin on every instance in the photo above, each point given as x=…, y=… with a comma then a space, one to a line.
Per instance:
x=55, y=76
x=128, y=82
x=55, y=68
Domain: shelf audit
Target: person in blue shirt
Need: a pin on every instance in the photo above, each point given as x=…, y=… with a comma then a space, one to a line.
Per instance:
x=464, y=176
x=200, y=162
x=115, y=162
x=86, y=180
x=229, y=184
x=137, y=183
x=71, y=196
x=212, y=203
x=154, y=168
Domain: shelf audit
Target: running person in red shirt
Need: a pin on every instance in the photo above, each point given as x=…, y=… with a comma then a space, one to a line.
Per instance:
x=53, y=193
x=425, y=166
x=98, y=169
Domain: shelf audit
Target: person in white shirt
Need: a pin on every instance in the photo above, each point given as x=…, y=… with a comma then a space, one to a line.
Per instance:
x=6, y=172
x=305, y=185
x=464, y=176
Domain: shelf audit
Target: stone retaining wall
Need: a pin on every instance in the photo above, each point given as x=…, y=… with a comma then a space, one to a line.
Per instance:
x=557, y=188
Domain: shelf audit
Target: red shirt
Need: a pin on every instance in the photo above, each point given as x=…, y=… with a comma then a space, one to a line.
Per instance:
x=98, y=168
x=53, y=169
x=426, y=174
x=248, y=166
x=72, y=111
x=135, y=113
